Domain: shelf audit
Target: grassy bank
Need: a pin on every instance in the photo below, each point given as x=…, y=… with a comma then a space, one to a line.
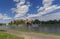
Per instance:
x=4, y=35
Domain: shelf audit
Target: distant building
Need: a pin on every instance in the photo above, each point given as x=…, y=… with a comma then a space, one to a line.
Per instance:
x=28, y=20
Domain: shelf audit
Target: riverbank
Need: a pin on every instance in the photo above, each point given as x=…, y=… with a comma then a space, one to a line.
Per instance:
x=33, y=35
x=37, y=32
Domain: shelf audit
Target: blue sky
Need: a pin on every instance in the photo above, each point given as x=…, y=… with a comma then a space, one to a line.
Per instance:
x=29, y=9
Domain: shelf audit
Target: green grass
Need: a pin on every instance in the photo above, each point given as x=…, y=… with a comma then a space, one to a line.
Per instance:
x=4, y=35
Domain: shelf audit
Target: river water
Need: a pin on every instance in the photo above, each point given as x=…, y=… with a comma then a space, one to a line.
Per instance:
x=49, y=29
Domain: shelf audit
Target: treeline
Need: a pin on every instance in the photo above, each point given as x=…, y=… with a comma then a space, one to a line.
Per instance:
x=47, y=23
x=16, y=22
x=51, y=22
x=2, y=24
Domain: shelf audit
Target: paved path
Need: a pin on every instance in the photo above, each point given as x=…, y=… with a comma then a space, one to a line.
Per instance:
x=31, y=35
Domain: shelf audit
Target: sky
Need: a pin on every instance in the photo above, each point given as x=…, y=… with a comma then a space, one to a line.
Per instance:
x=43, y=10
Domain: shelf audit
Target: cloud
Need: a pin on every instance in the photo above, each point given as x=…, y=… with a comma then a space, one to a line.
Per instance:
x=21, y=8
x=4, y=17
x=16, y=0
x=38, y=7
x=45, y=9
x=47, y=3
x=49, y=9
x=54, y=16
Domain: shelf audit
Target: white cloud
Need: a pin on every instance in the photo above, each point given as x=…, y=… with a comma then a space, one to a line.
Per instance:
x=28, y=4
x=16, y=0
x=38, y=7
x=54, y=16
x=47, y=3
x=22, y=0
x=45, y=9
x=4, y=17
x=19, y=1
x=21, y=8
x=49, y=9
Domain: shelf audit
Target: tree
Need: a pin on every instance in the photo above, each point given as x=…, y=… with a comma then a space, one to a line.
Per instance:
x=36, y=21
